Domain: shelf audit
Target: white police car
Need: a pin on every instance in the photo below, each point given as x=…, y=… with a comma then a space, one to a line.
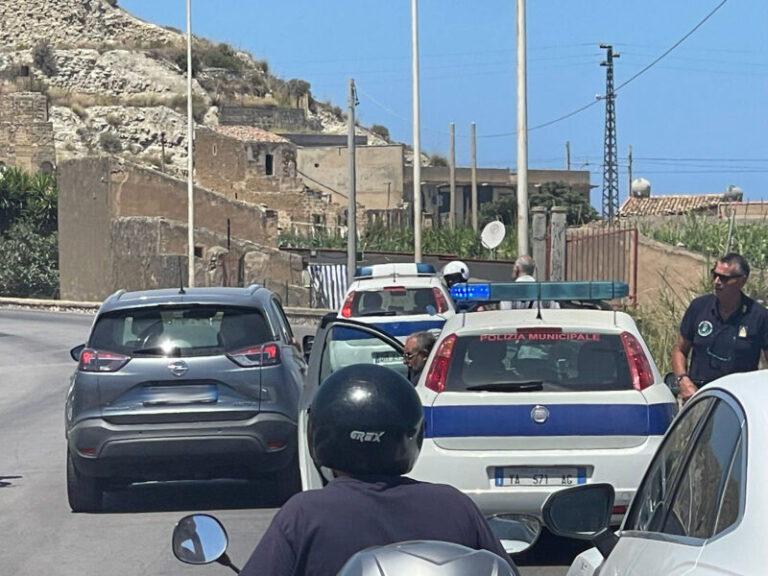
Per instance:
x=401, y=299
x=521, y=403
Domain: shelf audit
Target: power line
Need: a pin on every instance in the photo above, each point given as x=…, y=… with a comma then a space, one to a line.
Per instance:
x=633, y=77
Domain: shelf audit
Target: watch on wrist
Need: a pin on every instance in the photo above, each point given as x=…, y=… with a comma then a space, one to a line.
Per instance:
x=678, y=379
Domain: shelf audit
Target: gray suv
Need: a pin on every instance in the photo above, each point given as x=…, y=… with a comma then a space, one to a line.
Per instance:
x=184, y=384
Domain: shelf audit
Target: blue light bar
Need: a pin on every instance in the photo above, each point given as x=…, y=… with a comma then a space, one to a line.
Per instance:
x=527, y=291
x=395, y=269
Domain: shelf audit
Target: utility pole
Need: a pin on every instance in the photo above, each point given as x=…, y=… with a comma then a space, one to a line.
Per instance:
x=474, y=177
x=190, y=156
x=567, y=155
x=522, y=134
x=352, y=186
x=416, y=133
x=610, y=165
x=452, y=176
x=629, y=172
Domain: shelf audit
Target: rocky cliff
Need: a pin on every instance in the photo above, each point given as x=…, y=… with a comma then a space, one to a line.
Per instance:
x=117, y=84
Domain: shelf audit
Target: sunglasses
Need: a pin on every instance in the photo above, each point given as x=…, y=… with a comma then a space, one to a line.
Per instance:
x=724, y=277
x=409, y=355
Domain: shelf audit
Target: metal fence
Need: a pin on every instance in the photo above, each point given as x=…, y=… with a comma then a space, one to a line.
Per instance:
x=608, y=253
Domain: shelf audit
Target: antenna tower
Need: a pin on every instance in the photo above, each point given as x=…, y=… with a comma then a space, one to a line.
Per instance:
x=610, y=165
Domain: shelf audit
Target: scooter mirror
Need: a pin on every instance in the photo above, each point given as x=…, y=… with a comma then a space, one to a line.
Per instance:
x=516, y=532
x=199, y=539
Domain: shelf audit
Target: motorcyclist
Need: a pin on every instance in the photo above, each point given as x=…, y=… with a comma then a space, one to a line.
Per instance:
x=455, y=272
x=366, y=423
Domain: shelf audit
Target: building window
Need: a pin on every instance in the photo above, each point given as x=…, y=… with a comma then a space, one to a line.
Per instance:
x=198, y=251
x=269, y=165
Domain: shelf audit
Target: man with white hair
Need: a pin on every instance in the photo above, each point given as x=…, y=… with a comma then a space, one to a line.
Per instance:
x=523, y=271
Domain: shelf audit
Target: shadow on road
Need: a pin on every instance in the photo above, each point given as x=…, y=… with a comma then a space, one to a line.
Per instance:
x=551, y=550
x=191, y=496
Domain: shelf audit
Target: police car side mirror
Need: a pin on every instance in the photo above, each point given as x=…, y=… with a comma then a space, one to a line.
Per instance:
x=671, y=381
x=306, y=345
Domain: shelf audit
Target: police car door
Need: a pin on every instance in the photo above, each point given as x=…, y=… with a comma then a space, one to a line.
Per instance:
x=338, y=343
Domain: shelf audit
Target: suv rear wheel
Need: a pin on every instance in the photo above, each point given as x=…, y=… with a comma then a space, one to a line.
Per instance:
x=85, y=493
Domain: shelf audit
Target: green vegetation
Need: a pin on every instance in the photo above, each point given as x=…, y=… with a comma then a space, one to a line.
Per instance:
x=110, y=142
x=380, y=131
x=28, y=240
x=44, y=57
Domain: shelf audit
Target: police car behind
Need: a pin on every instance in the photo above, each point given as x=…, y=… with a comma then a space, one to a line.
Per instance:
x=401, y=299
x=520, y=403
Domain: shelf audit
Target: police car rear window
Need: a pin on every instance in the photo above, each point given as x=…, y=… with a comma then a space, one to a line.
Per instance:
x=393, y=301
x=528, y=361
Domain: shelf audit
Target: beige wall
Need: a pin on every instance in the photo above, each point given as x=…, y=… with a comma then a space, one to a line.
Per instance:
x=665, y=268
x=379, y=174
x=99, y=253
x=26, y=136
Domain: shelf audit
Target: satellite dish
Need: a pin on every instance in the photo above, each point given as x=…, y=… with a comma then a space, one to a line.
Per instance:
x=492, y=234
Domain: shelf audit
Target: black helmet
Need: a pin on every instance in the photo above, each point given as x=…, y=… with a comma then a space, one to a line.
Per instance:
x=366, y=419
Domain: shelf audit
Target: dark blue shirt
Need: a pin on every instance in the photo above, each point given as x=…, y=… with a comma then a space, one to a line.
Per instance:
x=315, y=532
x=720, y=346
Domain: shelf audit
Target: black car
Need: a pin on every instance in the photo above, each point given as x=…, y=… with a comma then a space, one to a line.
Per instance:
x=182, y=384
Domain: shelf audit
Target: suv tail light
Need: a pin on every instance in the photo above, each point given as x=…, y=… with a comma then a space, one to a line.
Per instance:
x=100, y=361
x=438, y=370
x=442, y=304
x=639, y=367
x=262, y=355
x=346, y=310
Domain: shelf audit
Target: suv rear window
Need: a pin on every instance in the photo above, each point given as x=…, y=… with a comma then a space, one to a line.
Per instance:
x=396, y=301
x=184, y=330
x=562, y=362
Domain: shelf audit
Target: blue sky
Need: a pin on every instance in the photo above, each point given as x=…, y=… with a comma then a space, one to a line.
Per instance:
x=697, y=120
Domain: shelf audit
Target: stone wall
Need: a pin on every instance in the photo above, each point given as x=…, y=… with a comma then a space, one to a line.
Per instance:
x=26, y=136
x=273, y=119
x=379, y=174
x=232, y=166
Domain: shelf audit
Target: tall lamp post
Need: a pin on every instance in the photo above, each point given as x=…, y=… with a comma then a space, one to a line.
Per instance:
x=416, y=133
x=190, y=157
x=522, y=134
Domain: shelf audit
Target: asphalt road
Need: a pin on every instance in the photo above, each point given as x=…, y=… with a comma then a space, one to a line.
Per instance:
x=131, y=537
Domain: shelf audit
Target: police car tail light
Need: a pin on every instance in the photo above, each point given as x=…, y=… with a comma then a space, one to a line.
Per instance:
x=99, y=361
x=639, y=367
x=442, y=303
x=346, y=310
x=263, y=355
x=438, y=370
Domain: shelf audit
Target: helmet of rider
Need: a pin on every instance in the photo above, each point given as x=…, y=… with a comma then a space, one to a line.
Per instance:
x=366, y=419
x=425, y=557
x=454, y=272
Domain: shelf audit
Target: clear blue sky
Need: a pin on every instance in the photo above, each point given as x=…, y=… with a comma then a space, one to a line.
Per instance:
x=697, y=120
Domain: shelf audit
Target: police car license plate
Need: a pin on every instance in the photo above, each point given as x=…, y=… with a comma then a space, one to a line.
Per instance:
x=549, y=476
x=390, y=357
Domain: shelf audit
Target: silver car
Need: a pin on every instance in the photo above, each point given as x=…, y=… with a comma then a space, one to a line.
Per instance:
x=184, y=384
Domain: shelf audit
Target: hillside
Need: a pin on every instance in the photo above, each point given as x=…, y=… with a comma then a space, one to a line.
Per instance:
x=117, y=84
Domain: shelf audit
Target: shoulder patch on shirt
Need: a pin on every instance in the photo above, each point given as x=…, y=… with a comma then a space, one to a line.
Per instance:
x=705, y=328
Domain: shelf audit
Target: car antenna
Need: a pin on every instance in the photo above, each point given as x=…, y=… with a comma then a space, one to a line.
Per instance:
x=181, y=277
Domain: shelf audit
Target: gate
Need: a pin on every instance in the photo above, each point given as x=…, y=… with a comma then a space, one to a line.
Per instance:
x=610, y=253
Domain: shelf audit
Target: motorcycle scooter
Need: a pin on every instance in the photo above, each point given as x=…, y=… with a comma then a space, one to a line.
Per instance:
x=201, y=539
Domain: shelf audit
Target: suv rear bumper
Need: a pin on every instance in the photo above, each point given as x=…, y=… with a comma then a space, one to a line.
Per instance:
x=263, y=444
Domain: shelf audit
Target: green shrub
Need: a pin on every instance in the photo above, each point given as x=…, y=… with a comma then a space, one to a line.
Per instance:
x=110, y=142
x=381, y=131
x=44, y=57
x=114, y=120
x=221, y=56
